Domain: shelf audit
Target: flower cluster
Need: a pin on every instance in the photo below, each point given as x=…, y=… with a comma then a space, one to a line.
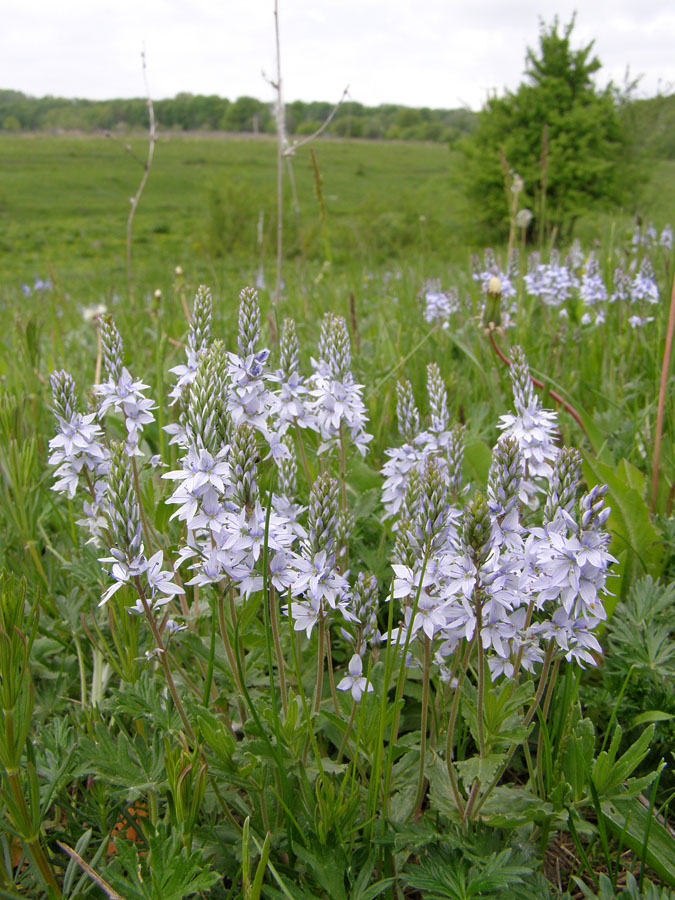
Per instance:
x=556, y=285
x=532, y=427
x=154, y=586
x=439, y=441
x=120, y=392
x=78, y=451
x=647, y=236
x=518, y=593
x=477, y=571
x=337, y=405
x=199, y=336
x=551, y=282
x=439, y=305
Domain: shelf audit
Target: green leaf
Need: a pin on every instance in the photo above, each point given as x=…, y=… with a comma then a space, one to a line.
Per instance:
x=440, y=790
x=578, y=757
x=633, y=477
x=609, y=773
x=629, y=524
x=477, y=460
x=327, y=866
x=366, y=503
x=482, y=767
x=510, y=807
x=651, y=715
x=628, y=819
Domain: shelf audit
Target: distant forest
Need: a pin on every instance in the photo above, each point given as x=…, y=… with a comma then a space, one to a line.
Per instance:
x=651, y=122
x=195, y=112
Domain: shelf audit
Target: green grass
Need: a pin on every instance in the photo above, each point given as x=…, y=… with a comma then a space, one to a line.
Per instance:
x=395, y=215
x=64, y=204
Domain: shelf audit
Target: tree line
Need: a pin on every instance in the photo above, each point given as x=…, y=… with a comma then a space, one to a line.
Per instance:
x=198, y=112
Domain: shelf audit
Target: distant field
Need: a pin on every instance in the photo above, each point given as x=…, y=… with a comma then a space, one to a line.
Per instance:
x=64, y=202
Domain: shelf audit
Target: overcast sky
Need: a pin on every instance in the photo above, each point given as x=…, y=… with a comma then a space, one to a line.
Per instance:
x=438, y=53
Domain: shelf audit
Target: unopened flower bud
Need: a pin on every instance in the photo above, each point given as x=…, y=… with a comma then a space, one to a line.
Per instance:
x=477, y=529
x=249, y=321
x=323, y=514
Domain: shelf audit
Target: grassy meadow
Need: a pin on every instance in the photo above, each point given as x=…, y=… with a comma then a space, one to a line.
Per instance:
x=232, y=753
x=64, y=204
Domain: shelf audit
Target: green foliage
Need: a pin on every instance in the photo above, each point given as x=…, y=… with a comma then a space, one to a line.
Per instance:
x=558, y=131
x=197, y=112
x=638, y=829
x=302, y=802
x=461, y=875
x=639, y=670
x=168, y=870
x=635, y=540
x=632, y=890
x=654, y=120
x=641, y=635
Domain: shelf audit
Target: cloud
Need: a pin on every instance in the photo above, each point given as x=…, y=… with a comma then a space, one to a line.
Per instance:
x=429, y=52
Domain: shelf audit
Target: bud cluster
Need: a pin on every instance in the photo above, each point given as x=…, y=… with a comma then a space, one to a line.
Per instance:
x=323, y=514
x=111, y=348
x=407, y=413
x=249, y=321
x=334, y=346
x=199, y=334
x=438, y=399
x=564, y=483
x=290, y=350
x=505, y=477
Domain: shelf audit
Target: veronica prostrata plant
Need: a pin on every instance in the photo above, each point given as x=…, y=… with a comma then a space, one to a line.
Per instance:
x=362, y=701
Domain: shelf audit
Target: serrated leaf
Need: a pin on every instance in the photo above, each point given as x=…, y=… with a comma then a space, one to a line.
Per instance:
x=440, y=790
x=509, y=807
x=327, y=866
x=483, y=768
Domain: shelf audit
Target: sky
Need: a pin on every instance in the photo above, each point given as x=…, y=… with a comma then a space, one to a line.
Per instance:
x=437, y=53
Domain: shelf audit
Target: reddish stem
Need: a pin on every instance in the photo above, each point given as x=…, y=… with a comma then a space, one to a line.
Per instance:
x=662, y=399
x=540, y=384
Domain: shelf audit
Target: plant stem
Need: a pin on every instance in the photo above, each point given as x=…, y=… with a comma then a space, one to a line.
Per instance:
x=32, y=840
x=540, y=384
x=481, y=674
x=343, y=744
x=528, y=718
x=451, y=724
x=401, y=677
x=319, y=663
x=230, y=656
x=662, y=399
x=152, y=138
x=331, y=674
x=423, y=722
x=163, y=658
x=277, y=649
